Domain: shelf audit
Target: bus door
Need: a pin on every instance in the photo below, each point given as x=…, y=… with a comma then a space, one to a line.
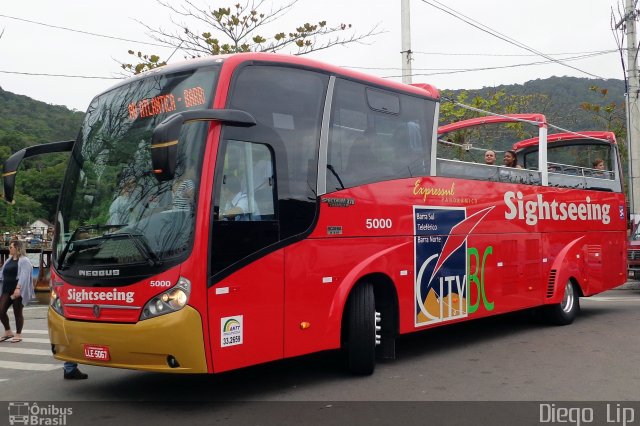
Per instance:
x=247, y=285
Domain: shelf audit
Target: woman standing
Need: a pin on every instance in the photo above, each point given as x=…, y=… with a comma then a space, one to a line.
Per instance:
x=17, y=289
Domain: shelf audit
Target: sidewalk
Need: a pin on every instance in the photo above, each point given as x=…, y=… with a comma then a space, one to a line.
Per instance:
x=629, y=285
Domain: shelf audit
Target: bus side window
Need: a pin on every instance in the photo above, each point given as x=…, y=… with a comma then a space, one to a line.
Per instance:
x=376, y=135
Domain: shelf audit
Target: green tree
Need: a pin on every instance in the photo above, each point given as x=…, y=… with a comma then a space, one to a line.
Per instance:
x=23, y=212
x=241, y=28
x=465, y=105
x=610, y=115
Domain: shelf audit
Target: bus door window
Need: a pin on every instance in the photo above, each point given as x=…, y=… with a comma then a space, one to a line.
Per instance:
x=288, y=104
x=247, y=189
x=244, y=210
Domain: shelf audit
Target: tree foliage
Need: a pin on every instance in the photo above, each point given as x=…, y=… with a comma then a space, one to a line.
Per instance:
x=240, y=28
x=498, y=136
x=25, y=122
x=609, y=113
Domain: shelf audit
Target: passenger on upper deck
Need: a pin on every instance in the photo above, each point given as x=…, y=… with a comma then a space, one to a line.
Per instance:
x=511, y=160
x=490, y=157
x=598, y=164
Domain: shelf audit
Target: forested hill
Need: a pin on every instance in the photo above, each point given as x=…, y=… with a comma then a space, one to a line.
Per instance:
x=24, y=122
x=560, y=99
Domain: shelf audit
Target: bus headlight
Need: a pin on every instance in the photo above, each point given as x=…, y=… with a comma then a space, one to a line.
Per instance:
x=169, y=301
x=55, y=301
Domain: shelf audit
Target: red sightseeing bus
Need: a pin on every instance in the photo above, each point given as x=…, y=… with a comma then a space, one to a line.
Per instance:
x=235, y=210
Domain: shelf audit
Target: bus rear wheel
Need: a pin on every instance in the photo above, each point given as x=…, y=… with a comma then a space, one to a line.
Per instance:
x=361, y=330
x=565, y=312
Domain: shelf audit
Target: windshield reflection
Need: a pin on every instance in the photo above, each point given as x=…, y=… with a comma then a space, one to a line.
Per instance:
x=112, y=209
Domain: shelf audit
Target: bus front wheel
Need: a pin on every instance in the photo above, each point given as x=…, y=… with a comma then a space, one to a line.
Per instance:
x=565, y=312
x=361, y=330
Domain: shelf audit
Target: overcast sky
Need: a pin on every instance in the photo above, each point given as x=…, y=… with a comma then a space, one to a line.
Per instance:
x=442, y=43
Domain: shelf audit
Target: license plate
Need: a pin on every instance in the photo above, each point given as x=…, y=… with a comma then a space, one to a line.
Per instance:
x=96, y=352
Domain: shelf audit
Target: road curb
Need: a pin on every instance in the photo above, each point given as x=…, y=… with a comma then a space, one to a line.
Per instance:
x=630, y=285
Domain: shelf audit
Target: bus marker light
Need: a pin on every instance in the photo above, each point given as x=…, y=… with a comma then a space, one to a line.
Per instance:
x=55, y=301
x=327, y=280
x=222, y=290
x=304, y=325
x=404, y=273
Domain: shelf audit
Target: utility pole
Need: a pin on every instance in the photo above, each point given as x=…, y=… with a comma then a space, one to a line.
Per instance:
x=405, y=23
x=633, y=107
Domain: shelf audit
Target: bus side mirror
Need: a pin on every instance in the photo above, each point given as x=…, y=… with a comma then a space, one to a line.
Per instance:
x=164, y=142
x=12, y=163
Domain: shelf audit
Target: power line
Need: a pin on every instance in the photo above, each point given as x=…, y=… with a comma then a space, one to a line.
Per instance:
x=83, y=32
x=60, y=75
x=439, y=71
x=490, y=31
x=510, y=54
x=457, y=71
x=574, y=58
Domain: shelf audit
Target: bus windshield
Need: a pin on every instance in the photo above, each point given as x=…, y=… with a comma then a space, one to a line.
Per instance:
x=113, y=211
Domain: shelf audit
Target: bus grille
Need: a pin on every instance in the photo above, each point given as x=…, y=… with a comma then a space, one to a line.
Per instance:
x=550, y=284
x=633, y=254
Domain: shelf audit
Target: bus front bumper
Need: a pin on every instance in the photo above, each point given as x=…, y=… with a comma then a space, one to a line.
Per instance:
x=171, y=343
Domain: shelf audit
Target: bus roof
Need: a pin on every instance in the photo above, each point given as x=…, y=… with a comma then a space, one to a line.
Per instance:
x=538, y=119
x=609, y=137
x=237, y=58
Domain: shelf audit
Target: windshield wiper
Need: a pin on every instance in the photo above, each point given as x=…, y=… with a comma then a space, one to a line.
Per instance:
x=141, y=244
x=79, y=230
x=333, y=171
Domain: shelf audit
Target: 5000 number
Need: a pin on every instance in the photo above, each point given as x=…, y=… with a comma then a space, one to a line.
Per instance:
x=378, y=223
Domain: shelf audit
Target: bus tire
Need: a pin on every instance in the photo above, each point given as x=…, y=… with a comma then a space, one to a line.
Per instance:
x=565, y=312
x=361, y=331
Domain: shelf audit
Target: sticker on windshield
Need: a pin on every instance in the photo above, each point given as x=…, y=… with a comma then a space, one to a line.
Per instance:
x=231, y=331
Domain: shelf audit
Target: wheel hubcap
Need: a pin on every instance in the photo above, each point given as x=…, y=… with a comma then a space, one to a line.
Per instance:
x=569, y=298
x=378, y=328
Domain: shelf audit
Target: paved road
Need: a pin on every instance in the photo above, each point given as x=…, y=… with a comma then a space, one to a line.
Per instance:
x=508, y=358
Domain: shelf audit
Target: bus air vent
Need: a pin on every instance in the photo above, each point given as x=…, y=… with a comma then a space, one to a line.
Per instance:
x=550, y=285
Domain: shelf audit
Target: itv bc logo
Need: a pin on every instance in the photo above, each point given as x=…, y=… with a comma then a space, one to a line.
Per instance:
x=445, y=266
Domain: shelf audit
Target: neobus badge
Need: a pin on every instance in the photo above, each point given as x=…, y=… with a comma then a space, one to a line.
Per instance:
x=99, y=273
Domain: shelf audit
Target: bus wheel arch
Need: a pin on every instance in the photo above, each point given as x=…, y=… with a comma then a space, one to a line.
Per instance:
x=370, y=323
